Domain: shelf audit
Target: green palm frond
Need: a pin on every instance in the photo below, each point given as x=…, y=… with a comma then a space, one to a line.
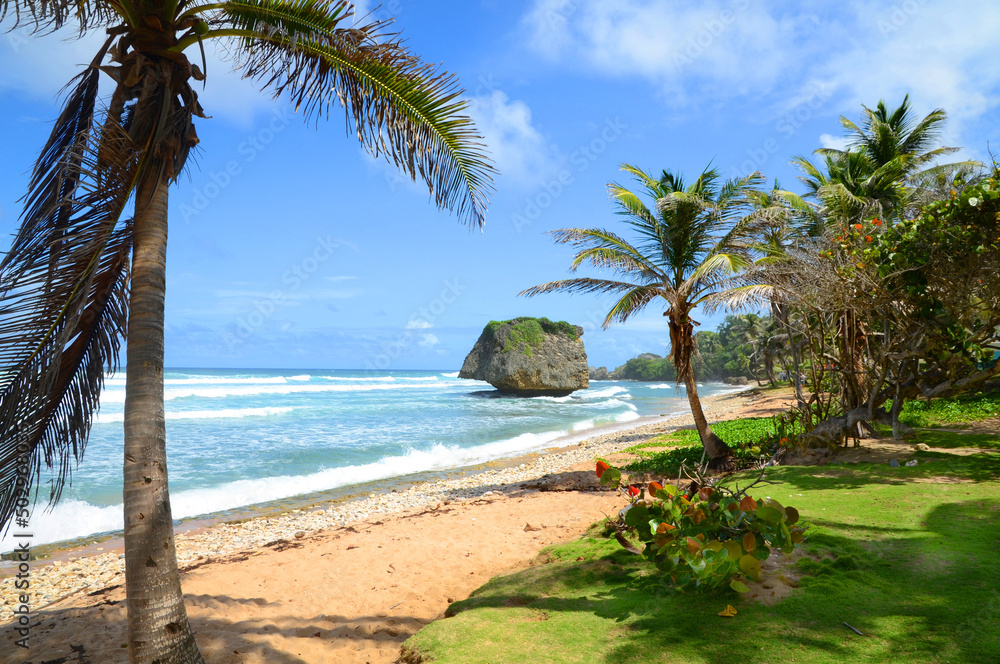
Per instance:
x=630, y=203
x=722, y=262
x=63, y=308
x=580, y=285
x=589, y=239
x=395, y=104
x=738, y=298
x=631, y=303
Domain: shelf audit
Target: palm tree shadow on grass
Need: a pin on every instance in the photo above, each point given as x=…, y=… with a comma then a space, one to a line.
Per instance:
x=923, y=595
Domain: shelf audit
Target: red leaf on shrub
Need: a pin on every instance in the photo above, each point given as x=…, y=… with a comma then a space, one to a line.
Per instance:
x=663, y=528
x=601, y=467
x=654, y=487
x=749, y=543
x=705, y=492
x=748, y=504
x=693, y=545
x=633, y=490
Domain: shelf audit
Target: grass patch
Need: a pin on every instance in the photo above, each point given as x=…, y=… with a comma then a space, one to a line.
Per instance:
x=958, y=410
x=909, y=561
x=952, y=439
x=750, y=438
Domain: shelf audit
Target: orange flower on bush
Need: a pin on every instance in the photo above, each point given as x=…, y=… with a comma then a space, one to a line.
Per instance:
x=601, y=467
x=858, y=227
x=868, y=238
x=877, y=222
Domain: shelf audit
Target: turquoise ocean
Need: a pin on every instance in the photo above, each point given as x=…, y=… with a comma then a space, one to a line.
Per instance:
x=240, y=438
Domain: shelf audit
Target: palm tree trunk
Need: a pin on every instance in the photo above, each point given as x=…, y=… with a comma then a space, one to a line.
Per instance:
x=158, y=629
x=719, y=454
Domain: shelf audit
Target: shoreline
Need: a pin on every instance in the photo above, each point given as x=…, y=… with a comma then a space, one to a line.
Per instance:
x=91, y=568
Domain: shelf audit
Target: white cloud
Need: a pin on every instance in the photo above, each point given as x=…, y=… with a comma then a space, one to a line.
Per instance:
x=724, y=40
x=428, y=341
x=833, y=142
x=943, y=55
x=521, y=153
x=419, y=324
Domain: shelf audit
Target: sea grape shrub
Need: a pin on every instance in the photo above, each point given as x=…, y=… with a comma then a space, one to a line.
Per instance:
x=712, y=538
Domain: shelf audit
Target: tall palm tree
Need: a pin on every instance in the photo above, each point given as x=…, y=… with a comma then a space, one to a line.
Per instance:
x=883, y=157
x=689, y=244
x=873, y=177
x=81, y=277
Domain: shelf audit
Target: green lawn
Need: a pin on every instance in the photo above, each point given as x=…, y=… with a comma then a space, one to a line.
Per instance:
x=907, y=555
x=750, y=438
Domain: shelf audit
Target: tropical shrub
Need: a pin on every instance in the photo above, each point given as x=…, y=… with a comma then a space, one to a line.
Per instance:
x=707, y=537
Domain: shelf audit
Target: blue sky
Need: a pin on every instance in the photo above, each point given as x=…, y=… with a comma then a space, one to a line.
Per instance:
x=291, y=247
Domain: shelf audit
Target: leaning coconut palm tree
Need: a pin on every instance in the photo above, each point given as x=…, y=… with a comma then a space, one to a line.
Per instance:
x=691, y=242
x=82, y=274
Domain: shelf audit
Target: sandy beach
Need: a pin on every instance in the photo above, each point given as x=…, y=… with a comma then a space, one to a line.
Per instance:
x=347, y=583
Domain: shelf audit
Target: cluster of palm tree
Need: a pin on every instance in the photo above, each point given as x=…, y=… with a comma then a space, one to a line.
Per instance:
x=740, y=246
x=83, y=274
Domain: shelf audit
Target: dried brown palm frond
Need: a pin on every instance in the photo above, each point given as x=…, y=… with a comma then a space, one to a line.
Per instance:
x=63, y=305
x=49, y=15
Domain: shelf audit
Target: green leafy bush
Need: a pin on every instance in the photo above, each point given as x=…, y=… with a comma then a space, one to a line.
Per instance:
x=966, y=408
x=706, y=539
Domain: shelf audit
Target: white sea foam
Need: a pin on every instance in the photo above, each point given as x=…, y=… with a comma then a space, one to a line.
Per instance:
x=612, y=403
x=568, y=397
x=74, y=518
x=360, y=379
x=214, y=380
x=605, y=393
x=453, y=374
x=302, y=377
x=118, y=396
x=662, y=386
x=627, y=416
x=222, y=413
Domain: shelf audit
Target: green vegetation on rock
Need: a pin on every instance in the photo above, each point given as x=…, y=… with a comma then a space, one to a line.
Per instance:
x=527, y=333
